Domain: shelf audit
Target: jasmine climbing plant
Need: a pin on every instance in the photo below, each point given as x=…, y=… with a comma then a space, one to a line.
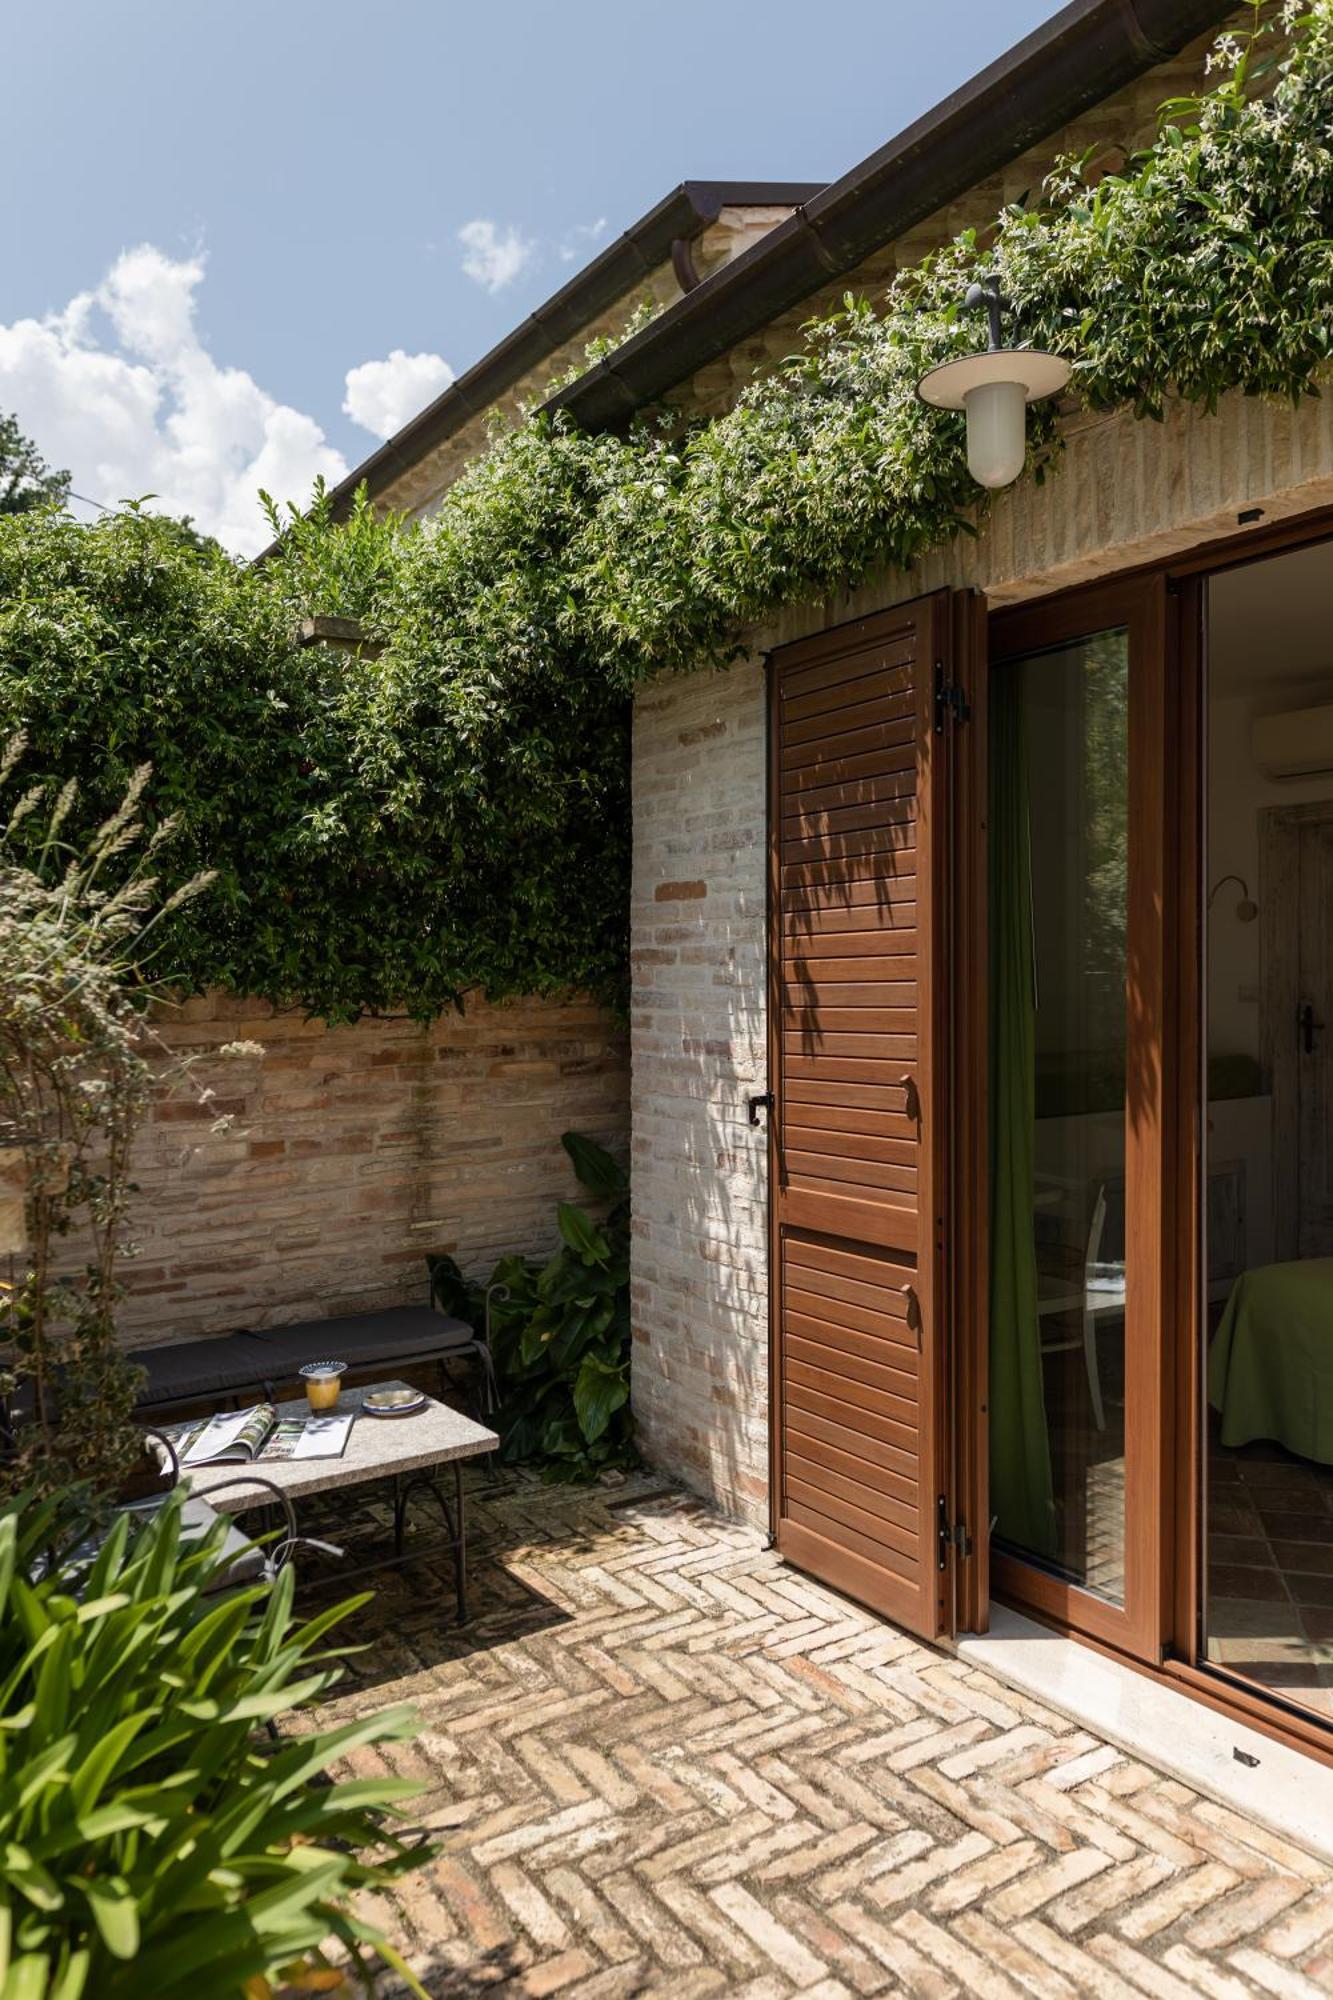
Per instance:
x=451, y=813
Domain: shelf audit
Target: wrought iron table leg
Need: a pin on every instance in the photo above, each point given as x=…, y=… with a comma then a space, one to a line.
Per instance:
x=455, y=1521
x=460, y=1544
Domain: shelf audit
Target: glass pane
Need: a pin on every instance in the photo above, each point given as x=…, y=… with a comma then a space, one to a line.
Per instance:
x=1058, y=851
x=1267, y=1193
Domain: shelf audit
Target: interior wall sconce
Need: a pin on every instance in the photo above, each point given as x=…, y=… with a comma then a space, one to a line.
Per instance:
x=994, y=389
x=1246, y=908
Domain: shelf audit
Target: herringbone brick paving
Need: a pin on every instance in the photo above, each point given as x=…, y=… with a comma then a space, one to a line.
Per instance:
x=659, y=1762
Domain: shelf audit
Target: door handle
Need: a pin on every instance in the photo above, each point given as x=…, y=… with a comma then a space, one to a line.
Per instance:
x=1308, y=1027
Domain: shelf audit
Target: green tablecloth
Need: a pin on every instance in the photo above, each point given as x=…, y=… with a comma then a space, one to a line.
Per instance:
x=1270, y=1368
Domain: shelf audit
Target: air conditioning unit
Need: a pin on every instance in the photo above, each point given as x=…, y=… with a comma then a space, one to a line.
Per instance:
x=1298, y=744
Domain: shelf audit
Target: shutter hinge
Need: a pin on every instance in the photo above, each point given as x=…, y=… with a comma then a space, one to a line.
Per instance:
x=949, y=1534
x=951, y=703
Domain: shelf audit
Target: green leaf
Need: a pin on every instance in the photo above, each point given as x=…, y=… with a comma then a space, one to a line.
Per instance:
x=116, y=1914
x=18, y=1867
x=599, y=1392
x=595, y=1168
x=583, y=1237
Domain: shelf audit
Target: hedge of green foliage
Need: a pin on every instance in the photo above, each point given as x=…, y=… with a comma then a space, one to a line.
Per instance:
x=454, y=812
x=384, y=833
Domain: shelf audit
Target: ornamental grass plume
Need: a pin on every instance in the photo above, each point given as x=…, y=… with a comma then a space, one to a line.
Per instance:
x=79, y=1063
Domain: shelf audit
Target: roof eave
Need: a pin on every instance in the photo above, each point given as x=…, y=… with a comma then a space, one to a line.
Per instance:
x=1078, y=58
x=685, y=212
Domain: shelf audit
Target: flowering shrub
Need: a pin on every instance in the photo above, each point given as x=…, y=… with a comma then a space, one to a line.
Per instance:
x=451, y=811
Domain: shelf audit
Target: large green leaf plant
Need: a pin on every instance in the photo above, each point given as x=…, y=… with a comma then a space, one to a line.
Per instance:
x=154, y=1839
x=560, y=1332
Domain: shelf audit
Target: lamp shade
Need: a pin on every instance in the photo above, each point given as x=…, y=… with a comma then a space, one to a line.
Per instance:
x=997, y=441
x=994, y=390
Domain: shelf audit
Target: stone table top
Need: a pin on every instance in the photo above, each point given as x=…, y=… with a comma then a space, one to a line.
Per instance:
x=377, y=1448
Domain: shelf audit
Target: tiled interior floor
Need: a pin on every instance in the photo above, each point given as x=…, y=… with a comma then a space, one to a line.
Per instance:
x=1270, y=1570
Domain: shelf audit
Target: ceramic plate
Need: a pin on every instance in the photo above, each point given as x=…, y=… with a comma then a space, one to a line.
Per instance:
x=393, y=1402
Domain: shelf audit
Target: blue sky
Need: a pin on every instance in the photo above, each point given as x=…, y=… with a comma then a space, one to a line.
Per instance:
x=291, y=178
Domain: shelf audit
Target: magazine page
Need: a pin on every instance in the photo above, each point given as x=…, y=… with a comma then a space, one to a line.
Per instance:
x=232, y=1437
x=307, y=1437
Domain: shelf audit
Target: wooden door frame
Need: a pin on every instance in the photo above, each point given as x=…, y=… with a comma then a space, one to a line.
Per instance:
x=967, y=1266
x=1216, y=1686
x=1139, y=604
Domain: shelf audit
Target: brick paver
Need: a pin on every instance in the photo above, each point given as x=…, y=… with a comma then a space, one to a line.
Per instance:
x=660, y=1762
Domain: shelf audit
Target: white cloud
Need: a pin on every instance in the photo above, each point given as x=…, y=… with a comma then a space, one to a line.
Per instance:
x=581, y=239
x=120, y=388
x=383, y=395
x=494, y=257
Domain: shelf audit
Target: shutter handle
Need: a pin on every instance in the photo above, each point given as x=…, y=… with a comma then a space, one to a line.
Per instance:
x=913, y=1096
x=908, y=1292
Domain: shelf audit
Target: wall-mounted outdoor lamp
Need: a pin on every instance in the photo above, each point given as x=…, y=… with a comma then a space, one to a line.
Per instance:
x=994, y=389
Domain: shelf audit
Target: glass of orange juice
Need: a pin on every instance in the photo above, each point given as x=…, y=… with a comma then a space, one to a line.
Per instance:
x=323, y=1382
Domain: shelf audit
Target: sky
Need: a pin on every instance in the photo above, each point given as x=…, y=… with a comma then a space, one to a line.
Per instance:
x=240, y=245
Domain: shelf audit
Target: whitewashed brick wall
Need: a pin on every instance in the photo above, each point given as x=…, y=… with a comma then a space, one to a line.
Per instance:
x=700, y=1296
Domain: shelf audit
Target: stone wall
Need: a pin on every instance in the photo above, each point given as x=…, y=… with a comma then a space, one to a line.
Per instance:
x=1123, y=494
x=353, y=1151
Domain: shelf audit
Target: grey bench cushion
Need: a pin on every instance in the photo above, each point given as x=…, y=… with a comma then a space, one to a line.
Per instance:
x=199, y=1367
x=231, y=1362
x=360, y=1339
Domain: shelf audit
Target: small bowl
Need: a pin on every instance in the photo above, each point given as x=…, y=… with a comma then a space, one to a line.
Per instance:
x=323, y=1383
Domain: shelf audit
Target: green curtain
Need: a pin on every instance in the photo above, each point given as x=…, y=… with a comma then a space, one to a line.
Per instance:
x=1022, y=1499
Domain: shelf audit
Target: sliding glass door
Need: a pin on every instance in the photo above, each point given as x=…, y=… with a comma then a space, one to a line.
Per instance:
x=1075, y=911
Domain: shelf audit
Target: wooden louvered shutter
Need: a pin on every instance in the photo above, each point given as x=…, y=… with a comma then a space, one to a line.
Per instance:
x=856, y=993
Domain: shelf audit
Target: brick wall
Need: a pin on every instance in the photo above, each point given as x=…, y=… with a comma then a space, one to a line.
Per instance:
x=700, y=1374
x=1124, y=493
x=353, y=1152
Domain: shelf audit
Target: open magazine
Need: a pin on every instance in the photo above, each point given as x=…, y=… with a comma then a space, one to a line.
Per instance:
x=240, y=1437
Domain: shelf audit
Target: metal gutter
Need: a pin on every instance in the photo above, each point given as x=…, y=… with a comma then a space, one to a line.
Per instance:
x=681, y=216
x=1078, y=58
